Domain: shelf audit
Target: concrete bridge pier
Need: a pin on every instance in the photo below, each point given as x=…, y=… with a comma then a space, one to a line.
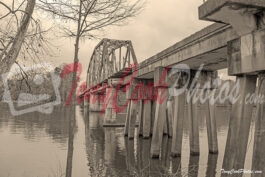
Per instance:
x=239, y=125
x=133, y=100
x=132, y=118
x=211, y=126
x=193, y=127
x=160, y=111
x=200, y=84
x=110, y=116
x=140, y=107
x=178, y=116
x=144, y=111
x=94, y=103
x=178, y=101
x=147, y=105
x=258, y=161
x=245, y=60
x=169, y=122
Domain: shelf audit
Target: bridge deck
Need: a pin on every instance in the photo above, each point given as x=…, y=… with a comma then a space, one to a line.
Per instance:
x=207, y=46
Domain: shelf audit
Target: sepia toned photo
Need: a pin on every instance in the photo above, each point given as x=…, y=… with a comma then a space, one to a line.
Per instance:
x=132, y=88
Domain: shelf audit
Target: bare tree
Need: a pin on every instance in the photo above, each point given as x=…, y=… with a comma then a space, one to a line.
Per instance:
x=21, y=35
x=85, y=19
x=12, y=41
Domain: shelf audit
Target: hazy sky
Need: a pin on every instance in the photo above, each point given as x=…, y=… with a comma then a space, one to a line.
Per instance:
x=161, y=24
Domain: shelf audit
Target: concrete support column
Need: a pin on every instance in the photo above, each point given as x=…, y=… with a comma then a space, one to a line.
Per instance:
x=153, y=112
x=194, y=128
x=178, y=116
x=258, y=161
x=132, y=118
x=147, y=96
x=199, y=85
x=239, y=125
x=110, y=116
x=94, y=105
x=147, y=119
x=170, y=116
x=132, y=96
x=158, y=129
x=160, y=112
x=101, y=98
x=126, y=126
x=211, y=128
x=140, y=109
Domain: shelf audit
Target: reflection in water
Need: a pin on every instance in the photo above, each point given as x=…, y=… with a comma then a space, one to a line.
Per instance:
x=70, y=113
x=48, y=146
x=33, y=144
x=193, y=166
x=211, y=165
x=109, y=153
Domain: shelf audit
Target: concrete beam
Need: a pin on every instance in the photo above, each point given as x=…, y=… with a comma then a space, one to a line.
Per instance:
x=207, y=46
x=246, y=54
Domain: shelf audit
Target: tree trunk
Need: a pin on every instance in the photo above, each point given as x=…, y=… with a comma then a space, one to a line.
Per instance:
x=12, y=54
x=72, y=119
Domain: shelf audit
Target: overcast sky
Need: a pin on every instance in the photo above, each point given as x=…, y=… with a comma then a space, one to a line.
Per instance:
x=161, y=24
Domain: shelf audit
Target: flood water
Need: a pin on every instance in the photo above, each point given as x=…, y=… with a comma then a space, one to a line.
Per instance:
x=36, y=145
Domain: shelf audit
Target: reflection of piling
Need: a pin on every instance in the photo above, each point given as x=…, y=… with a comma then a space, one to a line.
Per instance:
x=211, y=165
x=193, y=166
x=130, y=160
x=110, y=145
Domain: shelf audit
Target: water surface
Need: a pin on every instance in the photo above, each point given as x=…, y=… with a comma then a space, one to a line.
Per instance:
x=36, y=145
